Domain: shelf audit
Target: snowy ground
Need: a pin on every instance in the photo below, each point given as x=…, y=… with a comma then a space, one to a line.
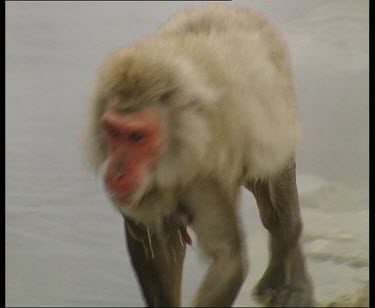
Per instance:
x=64, y=242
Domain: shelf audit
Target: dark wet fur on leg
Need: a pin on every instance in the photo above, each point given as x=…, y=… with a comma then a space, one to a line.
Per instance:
x=285, y=282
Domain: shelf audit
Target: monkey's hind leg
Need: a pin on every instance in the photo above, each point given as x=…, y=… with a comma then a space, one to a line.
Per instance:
x=285, y=282
x=157, y=263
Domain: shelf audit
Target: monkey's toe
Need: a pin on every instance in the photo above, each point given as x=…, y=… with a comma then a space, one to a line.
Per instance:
x=271, y=281
x=286, y=296
x=291, y=296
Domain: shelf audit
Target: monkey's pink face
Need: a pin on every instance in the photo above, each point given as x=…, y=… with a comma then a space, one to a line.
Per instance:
x=135, y=141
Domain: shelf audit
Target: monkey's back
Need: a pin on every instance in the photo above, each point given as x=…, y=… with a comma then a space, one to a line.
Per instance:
x=246, y=58
x=215, y=18
x=232, y=70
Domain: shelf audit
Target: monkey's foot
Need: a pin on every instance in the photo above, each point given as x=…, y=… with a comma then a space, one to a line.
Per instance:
x=272, y=293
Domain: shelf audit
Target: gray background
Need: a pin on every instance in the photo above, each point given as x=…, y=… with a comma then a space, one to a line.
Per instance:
x=64, y=242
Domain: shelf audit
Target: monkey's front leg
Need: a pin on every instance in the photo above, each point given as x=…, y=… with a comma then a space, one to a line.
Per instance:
x=215, y=223
x=157, y=263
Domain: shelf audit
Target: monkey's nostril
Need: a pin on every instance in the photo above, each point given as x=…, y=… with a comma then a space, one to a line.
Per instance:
x=119, y=176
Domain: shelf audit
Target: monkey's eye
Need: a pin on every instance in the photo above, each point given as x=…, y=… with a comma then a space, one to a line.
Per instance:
x=135, y=136
x=113, y=132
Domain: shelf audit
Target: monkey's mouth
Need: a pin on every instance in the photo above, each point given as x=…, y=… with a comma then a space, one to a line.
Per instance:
x=120, y=197
x=127, y=199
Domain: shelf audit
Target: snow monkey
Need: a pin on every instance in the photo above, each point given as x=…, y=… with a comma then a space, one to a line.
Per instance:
x=179, y=121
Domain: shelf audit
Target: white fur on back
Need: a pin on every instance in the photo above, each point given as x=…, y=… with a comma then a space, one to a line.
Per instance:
x=248, y=66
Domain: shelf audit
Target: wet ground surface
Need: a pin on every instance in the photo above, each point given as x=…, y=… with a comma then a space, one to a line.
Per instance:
x=335, y=241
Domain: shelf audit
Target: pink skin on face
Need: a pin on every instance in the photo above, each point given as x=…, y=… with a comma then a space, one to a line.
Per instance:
x=135, y=141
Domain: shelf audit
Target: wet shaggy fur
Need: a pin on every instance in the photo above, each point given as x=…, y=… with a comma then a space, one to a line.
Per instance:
x=222, y=76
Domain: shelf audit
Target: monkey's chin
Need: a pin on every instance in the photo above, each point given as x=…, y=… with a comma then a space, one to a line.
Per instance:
x=122, y=200
x=126, y=200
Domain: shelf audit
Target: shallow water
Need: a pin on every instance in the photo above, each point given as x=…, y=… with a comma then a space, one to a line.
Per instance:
x=64, y=242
